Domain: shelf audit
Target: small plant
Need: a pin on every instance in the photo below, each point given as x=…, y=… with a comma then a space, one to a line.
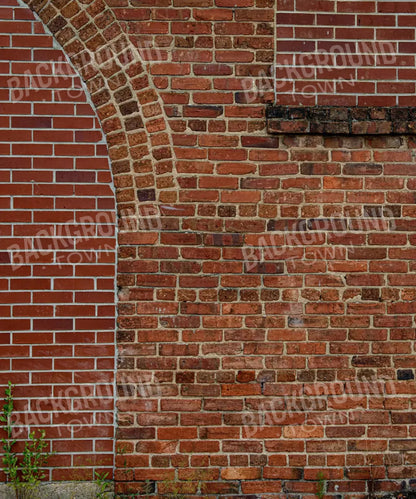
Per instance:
x=321, y=485
x=9, y=458
x=102, y=484
x=181, y=489
x=24, y=476
x=34, y=457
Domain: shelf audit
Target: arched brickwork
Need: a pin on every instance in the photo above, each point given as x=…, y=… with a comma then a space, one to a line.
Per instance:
x=127, y=104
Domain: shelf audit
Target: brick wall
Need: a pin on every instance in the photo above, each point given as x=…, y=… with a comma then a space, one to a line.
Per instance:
x=57, y=259
x=287, y=347
x=266, y=313
x=349, y=53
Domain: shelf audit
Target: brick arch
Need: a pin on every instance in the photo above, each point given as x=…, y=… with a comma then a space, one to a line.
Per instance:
x=125, y=99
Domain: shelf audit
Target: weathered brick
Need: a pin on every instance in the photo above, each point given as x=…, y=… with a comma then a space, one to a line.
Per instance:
x=266, y=296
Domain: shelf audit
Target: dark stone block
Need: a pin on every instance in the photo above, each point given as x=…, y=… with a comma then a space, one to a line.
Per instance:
x=297, y=113
x=276, y=112
x=337, y=128
x=319, y=112
x=399, y=113
x=317, y=127
x=57, y=24
x=405, y=374
x=146, y=195
x=338, y=120
x=270, y=225
x=394, y=211
x=129, y=108
x=359, y=113
x=370, y=294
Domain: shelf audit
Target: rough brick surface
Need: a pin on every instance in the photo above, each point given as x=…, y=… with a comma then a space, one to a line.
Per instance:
x=341, y=120
x=274, y=334
x=266, y=306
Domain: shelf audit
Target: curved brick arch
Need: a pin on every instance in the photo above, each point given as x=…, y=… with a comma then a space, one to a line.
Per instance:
x=128, y=106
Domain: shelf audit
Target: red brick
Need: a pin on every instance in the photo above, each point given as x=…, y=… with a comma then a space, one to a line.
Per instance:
x=188, y=299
